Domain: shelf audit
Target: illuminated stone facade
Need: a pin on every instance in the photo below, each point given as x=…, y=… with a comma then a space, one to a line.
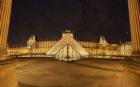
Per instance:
x=5, y=11
x=134, y=16
x=91, y=47
x=68, y=46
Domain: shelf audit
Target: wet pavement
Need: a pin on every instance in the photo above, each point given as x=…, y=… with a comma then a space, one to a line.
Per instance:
x=81, y=73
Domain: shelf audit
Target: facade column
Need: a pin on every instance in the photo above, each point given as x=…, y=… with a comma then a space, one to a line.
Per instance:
x=5, y=13
x=134, y=17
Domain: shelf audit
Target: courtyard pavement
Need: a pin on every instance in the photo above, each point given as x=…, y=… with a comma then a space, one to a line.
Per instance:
x=81, y=73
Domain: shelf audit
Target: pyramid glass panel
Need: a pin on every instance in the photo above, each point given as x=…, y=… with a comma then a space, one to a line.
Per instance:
x=66, y=47
x=67, y=54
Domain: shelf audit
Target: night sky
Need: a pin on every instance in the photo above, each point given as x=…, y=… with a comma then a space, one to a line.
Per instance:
x=88, y=19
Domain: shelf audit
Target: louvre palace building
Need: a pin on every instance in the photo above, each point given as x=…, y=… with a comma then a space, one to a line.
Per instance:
x=67, y=48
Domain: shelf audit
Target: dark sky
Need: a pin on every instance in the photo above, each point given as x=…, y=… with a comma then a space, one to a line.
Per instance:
x=88, y=19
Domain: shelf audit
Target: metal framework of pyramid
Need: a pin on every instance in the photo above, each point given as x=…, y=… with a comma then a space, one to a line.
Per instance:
x=67, y=54
x=67, y=46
